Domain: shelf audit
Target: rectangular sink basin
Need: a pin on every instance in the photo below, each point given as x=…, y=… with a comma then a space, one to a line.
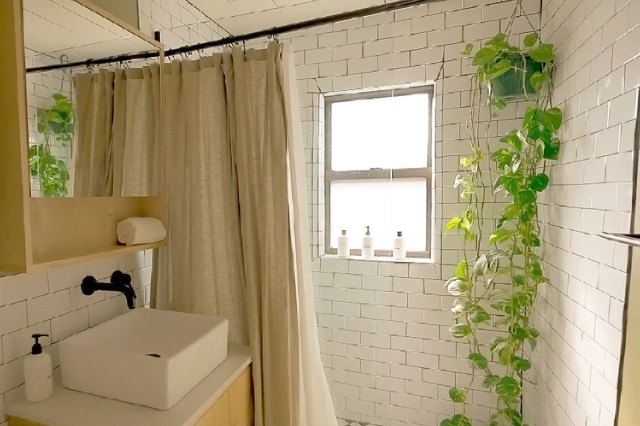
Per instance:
x=146, y=356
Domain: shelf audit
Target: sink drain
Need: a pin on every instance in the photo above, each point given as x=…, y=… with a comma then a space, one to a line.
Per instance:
x=154, y=355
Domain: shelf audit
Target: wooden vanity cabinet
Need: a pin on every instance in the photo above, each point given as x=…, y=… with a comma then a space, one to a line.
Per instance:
x=37, y=233
x=235, y=407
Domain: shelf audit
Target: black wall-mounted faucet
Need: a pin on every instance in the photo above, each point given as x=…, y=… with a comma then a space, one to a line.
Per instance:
x=120, y=282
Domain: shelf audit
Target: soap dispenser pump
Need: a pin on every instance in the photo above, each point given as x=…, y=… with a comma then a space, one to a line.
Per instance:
x=367, y=245
x=38, y=372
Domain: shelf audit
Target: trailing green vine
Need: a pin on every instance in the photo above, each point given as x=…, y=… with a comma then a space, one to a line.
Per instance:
x=56, y=122
x=496, y=281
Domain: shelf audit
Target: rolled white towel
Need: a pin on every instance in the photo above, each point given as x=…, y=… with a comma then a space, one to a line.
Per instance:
x=140, y=230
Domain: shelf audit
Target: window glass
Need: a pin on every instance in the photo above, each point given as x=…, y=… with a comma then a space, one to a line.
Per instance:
x=386, y=206
x=388, y=132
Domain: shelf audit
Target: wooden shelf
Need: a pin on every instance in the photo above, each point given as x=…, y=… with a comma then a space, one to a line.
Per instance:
x=119, y=250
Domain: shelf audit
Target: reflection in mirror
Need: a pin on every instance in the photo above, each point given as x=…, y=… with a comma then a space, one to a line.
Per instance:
x=65, y=31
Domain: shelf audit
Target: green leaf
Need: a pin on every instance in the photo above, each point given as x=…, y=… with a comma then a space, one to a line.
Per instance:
x=530, y=39
x=513, y=416
x=499, y=235
x=555, y=116
x=519, y=333
x=526, y=196
x=520, y=364
x=479, y=315
x=454, y=223
x=490, y=381
x=480, y=266
x=498, y=69
x=498, y=103
x=499, y=42
x=508, y=387
x=460, y=331
x=537, y=79
x=542, y=53
x=467, y=49
x=458, y=287
x=539, y=182
x=467, y=162
x=461, y=307
x=457, y=420
x=457, y=395
x=552, y=149
x=513, y=140
x=477, y=360
x=461, y=271
x=484, y=56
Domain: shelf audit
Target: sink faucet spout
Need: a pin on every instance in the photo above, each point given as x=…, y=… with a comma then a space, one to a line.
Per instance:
x=119, y=282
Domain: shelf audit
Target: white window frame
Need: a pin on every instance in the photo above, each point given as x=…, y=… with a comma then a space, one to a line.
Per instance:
x=377, y=173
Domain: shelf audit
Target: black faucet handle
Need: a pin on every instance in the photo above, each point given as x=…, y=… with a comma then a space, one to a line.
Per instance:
x=119, y=277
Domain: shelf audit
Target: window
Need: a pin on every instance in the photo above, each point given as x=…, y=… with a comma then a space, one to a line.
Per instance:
x=378, y=168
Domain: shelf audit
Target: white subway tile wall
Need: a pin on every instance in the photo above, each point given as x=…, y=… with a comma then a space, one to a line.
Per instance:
x=51, y=302
x=580, y=313
x=383, y=326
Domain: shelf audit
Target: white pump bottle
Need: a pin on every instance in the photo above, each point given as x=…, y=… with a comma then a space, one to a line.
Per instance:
x=38, y=373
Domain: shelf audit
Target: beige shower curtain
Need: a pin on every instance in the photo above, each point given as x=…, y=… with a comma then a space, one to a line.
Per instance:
x=237, y=232
x=118, y=133
x=233, y=167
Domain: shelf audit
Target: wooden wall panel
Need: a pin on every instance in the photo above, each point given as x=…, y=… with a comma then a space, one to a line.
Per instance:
x=15, y=251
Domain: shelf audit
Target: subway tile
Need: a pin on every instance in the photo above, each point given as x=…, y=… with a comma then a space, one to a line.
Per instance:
x=66, y=276
x=16, y=288
x=408, y=285
x=13, y=317
x=69, y=324
x=49, y=306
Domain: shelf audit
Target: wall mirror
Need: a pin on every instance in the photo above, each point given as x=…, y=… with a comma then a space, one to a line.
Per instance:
x=70, y=31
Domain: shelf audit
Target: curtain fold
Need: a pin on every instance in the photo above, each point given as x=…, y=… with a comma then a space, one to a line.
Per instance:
x=204, y=259
x=94, y=118
x=119, y=135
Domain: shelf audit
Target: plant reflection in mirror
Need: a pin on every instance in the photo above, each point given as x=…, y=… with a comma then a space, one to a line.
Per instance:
x=55, y=123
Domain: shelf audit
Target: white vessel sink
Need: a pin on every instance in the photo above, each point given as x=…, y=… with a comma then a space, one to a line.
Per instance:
x=146, y=356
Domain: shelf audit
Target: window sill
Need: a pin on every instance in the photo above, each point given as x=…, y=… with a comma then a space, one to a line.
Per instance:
x=386, y=259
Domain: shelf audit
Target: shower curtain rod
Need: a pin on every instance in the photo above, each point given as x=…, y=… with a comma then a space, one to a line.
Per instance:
x=270, y=32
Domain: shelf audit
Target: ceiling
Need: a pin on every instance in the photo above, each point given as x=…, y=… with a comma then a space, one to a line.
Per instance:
x=54, y=27
x=243, y=16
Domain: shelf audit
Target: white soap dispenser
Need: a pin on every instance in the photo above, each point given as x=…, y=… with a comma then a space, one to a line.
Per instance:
x=38, y=373
x=343, y=244
x=367, y=245
x=399, y=247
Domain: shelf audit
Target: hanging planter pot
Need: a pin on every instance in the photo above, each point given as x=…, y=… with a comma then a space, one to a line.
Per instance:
x=516, y=82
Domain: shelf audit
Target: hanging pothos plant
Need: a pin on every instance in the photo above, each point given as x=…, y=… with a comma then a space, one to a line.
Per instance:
x=55, y=123
x=496, y=281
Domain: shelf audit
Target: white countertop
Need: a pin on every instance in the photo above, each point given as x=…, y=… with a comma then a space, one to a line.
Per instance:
x=71, y=408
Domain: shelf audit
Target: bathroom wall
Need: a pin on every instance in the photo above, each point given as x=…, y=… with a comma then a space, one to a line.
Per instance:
x=580, y=313
x=383, y=326
x=51, y=302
